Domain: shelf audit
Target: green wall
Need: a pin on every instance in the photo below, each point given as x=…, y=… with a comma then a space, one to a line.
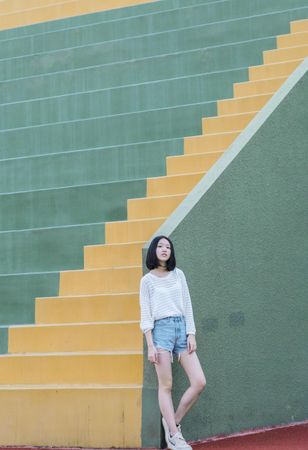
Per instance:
x=241, y=239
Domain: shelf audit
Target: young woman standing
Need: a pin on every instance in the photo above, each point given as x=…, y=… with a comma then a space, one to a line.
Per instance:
x=168, y=324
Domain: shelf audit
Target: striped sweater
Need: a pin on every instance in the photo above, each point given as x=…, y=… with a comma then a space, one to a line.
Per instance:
x=165, y=297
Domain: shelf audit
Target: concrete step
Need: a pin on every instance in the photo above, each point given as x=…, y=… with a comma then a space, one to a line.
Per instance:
x=242, y=104
x=151, y=207
x=172, y=184
x=230, y=122
x=257, y=87
x=281, y=69
x=208, y=143
x=191, y=163
x=87, y=308
x=99, y=256
x=72, y=368
x=285, y=54
x=60, y=415
x=292, y=40
x=131, y=230
x=100, y=281
x=298, y=26
x=81, y=337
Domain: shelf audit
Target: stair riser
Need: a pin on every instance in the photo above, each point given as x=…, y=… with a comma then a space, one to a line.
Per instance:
x=288, y=54
x=99, y=256
x=172, y=185
x=257, y=87
x=242, y=105
x=117, y=232
x=87, y=418
x=71, y=369
x=292, y=40
x=100, y=281
x=87, y=309
x=77, y=338
x=151, y=208
x=191, y=163
x=299, y=26
x=226, y=123
x=208, y=143
x=272, y=70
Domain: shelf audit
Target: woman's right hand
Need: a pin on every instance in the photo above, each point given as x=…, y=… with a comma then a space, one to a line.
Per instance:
x=152, y=354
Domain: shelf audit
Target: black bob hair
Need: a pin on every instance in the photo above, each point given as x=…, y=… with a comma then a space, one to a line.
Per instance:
x=152, y=260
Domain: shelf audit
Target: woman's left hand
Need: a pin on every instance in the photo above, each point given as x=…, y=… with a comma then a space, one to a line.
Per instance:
x=191, y=343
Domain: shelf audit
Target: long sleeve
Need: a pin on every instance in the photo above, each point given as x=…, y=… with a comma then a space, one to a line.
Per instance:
x=189, y=316
x=146, y=321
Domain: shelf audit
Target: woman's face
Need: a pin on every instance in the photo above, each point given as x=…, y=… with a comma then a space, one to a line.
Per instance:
x=163, y=251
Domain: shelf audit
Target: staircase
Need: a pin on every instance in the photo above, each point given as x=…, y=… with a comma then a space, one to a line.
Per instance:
x=74, y=378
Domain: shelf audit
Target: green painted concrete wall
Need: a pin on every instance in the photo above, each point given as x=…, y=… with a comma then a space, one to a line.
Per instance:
x=241, y=239
x=80, y=130
x=18, y=291
x=3, y=339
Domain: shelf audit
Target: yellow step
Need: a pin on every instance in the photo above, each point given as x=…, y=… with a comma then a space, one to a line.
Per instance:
x=113, y=255
x=243, y=104
x=9, y=6
x=131, y=230
x=85, y=416
x=282, y=69
x=229, y=122
x=72, y=368
x=191, y=163
x=285, y=54
x=151, y=207
x=83, y=337
x=292, y=40
x=257, y=87
x=298, y=26
x=11, y=17
x=209, y=142
x=99, y=281
x=87, y=308
x=176, y=184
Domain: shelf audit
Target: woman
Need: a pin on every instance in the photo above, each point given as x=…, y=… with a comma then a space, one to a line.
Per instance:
x=168, y=324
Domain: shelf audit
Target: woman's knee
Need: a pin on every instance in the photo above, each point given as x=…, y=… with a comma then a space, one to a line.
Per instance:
x=199, y=384
x=165, y=385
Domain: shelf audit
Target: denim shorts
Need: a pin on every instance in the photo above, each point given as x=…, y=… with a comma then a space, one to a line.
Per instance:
x=169, y=334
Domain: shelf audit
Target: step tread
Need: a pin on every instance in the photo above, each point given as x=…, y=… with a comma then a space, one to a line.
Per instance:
x=79, y=324
x=28, y=387
x=71, y=354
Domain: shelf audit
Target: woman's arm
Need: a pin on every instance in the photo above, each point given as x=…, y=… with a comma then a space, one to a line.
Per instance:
x=152, y=352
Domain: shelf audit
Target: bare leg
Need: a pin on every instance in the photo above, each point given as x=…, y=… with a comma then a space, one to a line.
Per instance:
x=191, y=365
x=164, y=375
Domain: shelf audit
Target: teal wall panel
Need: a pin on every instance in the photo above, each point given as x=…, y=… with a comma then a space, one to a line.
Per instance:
x=3, y=339
x=68, y=206
x=47, y=249
x=131, y=128
x=243, y=247
x=119, y=163
x=116, y=14
x=17, y=293
x=194, y=62
x=102, y=30
x=186, y=39
x=155, y=95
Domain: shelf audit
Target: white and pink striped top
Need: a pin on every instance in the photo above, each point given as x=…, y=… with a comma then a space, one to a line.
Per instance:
x=165, y=297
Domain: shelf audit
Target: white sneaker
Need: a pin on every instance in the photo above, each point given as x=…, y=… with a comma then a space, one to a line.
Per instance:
x=177, y=442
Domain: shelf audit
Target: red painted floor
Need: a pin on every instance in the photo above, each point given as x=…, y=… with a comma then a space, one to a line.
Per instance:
x=292, y=437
